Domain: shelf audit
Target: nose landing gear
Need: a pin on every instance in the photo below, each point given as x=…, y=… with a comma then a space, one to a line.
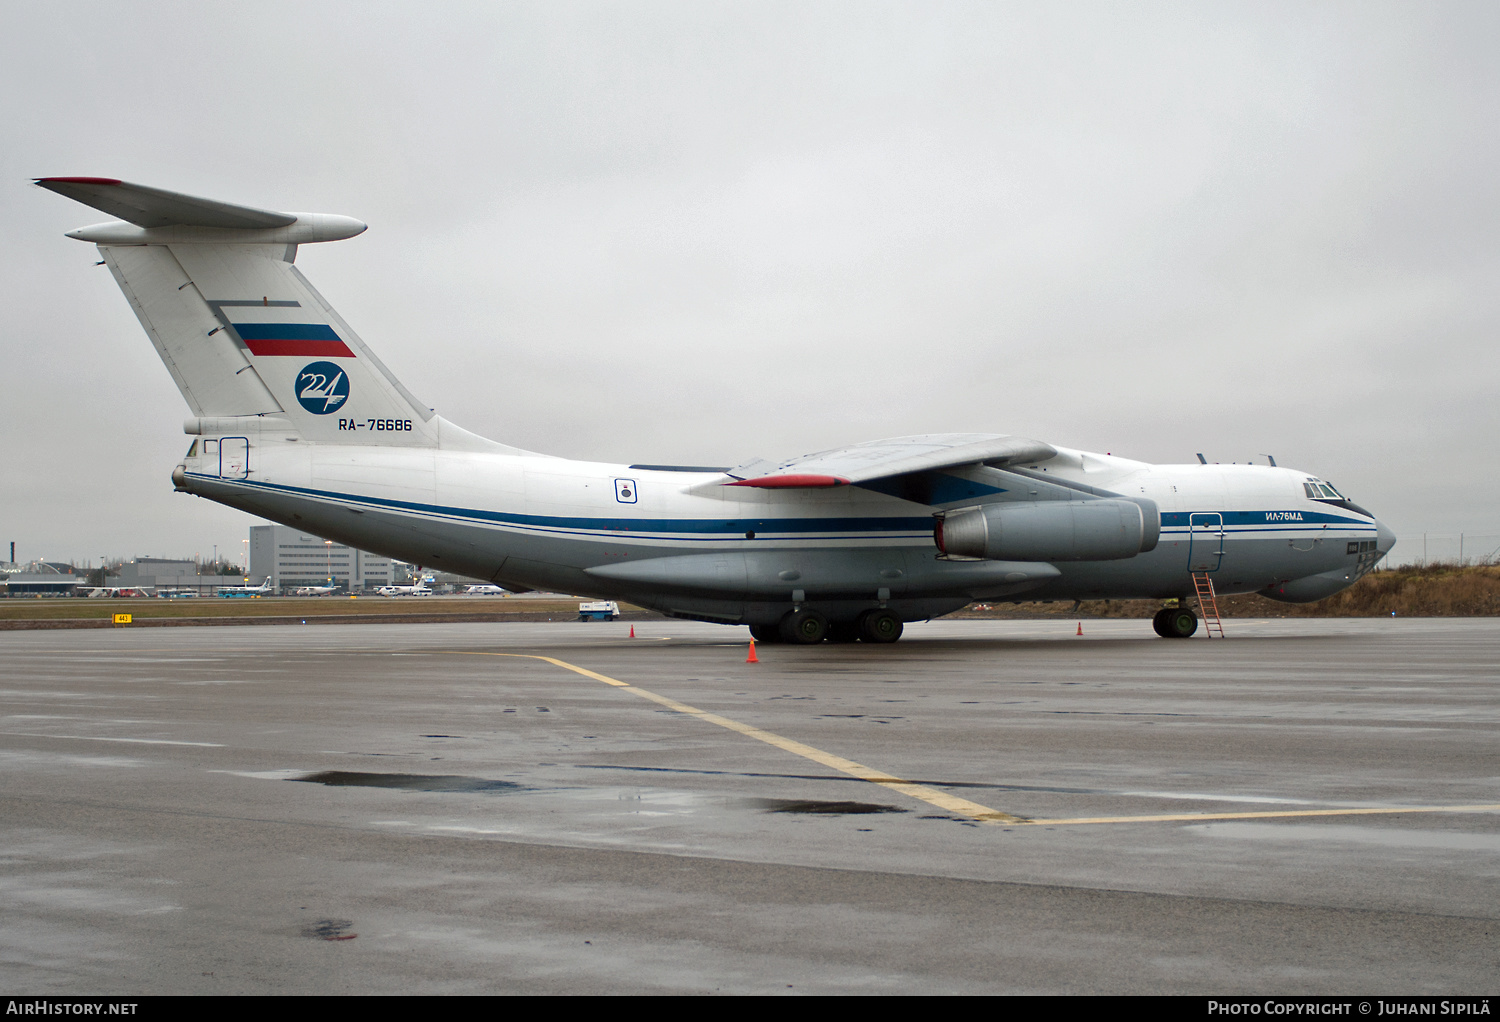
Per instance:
x=1175, y=622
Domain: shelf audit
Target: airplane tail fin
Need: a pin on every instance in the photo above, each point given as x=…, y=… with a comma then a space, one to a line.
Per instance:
x=245, y=336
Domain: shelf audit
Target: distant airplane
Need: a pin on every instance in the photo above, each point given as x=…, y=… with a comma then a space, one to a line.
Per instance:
x=264, y=589
x=112, y=591
x=295, y=420
x=484, y=591
x=414, y=590
x=314, y=590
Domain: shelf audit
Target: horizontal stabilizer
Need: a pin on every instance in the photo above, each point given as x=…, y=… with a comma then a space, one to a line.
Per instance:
x=156, y=207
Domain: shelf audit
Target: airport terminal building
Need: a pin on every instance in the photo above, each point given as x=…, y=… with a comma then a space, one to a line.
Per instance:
x=47, y=578
x=291, y=558
x=164, y=575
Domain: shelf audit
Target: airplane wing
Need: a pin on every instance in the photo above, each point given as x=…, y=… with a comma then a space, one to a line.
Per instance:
x=157, y=207
x=881, y=459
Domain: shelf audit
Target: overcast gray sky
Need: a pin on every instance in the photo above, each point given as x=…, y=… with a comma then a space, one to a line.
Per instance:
x=700, y=232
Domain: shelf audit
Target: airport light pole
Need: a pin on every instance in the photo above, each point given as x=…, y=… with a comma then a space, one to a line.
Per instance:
x=328, y=547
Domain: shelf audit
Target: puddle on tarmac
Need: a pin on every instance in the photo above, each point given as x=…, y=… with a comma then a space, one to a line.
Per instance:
x=408, y=782
x=330, y=929
x=821, y=808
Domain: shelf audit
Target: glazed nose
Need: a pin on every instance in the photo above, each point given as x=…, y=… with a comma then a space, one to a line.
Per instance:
x=1384, y=537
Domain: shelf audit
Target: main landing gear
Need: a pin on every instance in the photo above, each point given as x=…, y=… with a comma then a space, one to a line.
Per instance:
x=808, y=627
x=1175, y=622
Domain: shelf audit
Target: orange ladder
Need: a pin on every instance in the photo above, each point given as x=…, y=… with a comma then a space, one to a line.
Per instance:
x=1208, y=603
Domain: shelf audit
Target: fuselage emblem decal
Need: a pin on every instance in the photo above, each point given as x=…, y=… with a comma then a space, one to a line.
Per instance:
x=322, y=387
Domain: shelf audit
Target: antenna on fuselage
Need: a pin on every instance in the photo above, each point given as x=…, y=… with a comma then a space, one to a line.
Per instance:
x=1202, y=460
x=1270, y=459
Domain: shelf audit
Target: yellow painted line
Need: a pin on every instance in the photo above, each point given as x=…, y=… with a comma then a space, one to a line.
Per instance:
x=950, y=803
x=1265, y=815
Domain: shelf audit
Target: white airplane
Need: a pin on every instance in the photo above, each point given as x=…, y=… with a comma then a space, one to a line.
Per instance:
x=264, y=589
x=484, y=591
x=314, y=590
x=118, y=591
x=295, y=420
x=420, y=589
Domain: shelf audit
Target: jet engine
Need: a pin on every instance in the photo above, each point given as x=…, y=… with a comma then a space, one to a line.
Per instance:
x=1051, y=530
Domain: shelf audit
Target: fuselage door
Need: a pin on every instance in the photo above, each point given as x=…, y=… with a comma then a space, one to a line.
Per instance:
x=1205, y=541
x=234, y=457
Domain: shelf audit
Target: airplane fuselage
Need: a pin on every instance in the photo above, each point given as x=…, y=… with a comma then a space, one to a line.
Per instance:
x=684, y=543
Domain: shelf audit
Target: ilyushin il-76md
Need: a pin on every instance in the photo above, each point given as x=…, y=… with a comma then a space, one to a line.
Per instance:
x=295, y=420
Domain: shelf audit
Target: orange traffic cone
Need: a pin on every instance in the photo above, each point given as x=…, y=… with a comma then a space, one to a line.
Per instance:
x=1080, y=628
x=752, y=658
x=632, y=631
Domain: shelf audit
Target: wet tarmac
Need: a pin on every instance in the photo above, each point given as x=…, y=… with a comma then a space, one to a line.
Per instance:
x=1310, y=806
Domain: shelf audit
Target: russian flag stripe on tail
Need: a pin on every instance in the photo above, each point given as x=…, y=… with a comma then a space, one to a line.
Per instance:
x=299, y=339
x=242, y=332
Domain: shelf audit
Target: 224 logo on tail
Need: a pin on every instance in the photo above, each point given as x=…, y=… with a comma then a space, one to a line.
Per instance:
x=322, y=387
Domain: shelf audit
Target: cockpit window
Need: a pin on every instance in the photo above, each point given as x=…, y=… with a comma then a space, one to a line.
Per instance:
x=193, y=450
x=1321, y=491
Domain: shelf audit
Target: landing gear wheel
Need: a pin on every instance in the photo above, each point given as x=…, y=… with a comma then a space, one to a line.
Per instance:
x=1159, y=622
x=843, y=631
x=880, y=626
x=1178, y=623
x=804, y=627
x=765, y=633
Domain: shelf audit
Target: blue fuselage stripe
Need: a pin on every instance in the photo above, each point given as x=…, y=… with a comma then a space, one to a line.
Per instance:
x=1183, y=519
x=711, y=528
x=696, y=526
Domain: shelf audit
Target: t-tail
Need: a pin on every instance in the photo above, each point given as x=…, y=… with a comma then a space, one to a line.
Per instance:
x=251, y=344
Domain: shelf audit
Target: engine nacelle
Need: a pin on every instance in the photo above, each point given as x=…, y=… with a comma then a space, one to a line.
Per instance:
x=1051, y=530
